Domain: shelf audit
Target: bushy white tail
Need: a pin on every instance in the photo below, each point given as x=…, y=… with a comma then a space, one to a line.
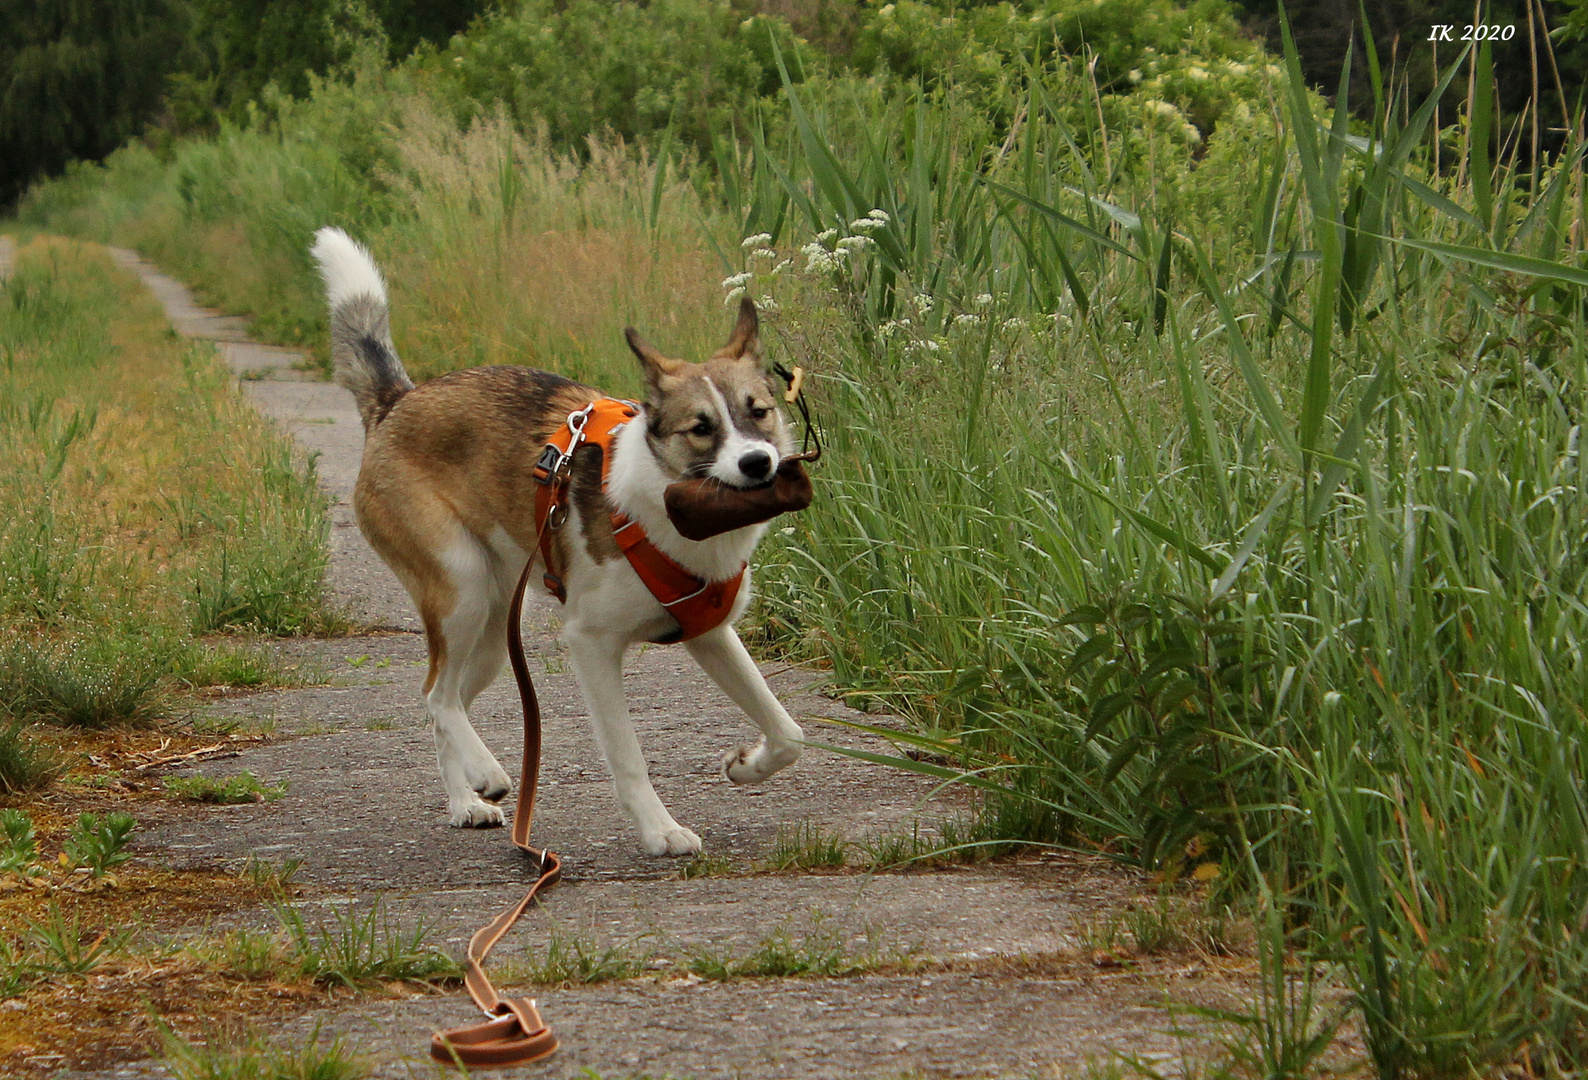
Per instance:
x=362, y=354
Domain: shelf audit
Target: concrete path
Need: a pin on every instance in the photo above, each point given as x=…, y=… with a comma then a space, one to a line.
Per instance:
x=365, y=813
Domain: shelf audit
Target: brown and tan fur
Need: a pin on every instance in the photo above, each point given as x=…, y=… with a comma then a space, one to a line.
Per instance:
x=445, y=496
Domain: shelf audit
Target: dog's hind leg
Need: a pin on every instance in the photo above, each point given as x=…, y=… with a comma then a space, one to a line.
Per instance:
x=597, y=661
x=469, y=655
x=723, y=656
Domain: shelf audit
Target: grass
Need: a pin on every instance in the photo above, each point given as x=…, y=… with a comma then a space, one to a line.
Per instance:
x=356, y=948
x=1226, y=517
x=145, y=503
x=245, y=787
x=252, y=1057
x=572, y=960
x=26, y=764
x=818, y=953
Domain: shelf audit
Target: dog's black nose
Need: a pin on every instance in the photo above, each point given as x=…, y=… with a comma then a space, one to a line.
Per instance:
x=756, y=464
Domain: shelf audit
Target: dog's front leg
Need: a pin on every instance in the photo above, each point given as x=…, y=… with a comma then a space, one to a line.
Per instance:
x=723, y=656
x=597, y=661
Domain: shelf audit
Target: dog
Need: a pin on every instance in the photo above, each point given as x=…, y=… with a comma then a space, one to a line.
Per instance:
x=446, y=496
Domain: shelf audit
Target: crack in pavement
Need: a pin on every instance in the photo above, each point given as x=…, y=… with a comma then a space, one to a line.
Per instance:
x=365, y=812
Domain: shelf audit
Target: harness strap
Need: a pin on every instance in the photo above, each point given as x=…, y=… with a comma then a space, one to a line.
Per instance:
x=514, y=1033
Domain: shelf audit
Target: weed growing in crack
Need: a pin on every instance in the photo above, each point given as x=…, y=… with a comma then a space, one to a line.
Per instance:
x=272, y=879
x=820, y=954
x=245, y=787
x=360, y=948
x=807, y=846
x=570, y=960
x=248, y=954
x=253, y=1058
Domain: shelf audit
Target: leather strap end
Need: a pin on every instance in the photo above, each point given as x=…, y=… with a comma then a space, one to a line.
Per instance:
x=516, y=1037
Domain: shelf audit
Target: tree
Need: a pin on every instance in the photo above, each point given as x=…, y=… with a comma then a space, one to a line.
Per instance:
x=79, y=77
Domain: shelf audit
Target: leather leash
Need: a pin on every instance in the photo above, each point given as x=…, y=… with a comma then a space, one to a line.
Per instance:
x=513, y=1032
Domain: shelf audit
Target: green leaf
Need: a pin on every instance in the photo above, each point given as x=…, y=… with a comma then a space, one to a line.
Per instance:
x=1105, y=709
x=1498, y=260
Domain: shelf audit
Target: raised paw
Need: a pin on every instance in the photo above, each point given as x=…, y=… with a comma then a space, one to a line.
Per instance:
x=473, y=813
x=753, y=764
x=676, y=840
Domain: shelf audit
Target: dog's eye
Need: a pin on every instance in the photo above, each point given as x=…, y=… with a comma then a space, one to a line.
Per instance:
x=759, y=412
x=701, y=428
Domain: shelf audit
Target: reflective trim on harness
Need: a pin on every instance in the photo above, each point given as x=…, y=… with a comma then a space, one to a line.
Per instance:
x=697, y=605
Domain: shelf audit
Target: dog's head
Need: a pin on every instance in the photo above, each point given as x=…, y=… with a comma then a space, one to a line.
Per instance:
x=719, y=418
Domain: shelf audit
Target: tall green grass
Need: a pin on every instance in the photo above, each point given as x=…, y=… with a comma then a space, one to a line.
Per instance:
x=1253, y=546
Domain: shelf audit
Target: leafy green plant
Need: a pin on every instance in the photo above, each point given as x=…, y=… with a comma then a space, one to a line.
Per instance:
x=245, y=787
x=19, y=847
x=98, y=843
x=275, y=879
x=819, y=953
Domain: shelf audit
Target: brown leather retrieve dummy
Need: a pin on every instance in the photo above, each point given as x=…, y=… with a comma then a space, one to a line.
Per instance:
x=513, y=1032
x=701, y=509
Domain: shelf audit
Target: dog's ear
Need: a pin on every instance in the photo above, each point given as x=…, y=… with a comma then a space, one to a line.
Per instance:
x=746, y=339
x=655, y=364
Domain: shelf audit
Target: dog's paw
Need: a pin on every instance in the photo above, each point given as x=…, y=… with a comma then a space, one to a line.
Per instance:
x=490, y=780
x=753, y=764
x=473, y=813
x=675, y=840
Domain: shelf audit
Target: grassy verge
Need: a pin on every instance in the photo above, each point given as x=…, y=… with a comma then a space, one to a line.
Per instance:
x=145, y=504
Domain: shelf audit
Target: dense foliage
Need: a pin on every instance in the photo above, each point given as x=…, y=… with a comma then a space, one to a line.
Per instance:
x=79, y=79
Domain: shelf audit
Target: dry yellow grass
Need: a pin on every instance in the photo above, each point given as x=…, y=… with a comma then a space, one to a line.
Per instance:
x=136, y=477
x=518, y=255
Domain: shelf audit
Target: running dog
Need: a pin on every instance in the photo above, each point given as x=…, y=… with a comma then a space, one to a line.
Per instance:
x=446, y=496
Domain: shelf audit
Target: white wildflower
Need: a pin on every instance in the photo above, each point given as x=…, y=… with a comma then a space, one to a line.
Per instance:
x=967, y=319
x=757, y=240
x=922, y=302
x=736, y=280
x=782, y=266
x=1134, y=76
x=1197, y=72
x=733, y=297
x=854, y=243
x=763, y=253
x=1011, y=326
x=767, y=305
x=819, y=259
x=826, y=236
x=982, y=302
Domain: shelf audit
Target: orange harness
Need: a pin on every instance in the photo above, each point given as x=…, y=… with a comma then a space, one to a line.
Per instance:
x=696, y=604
